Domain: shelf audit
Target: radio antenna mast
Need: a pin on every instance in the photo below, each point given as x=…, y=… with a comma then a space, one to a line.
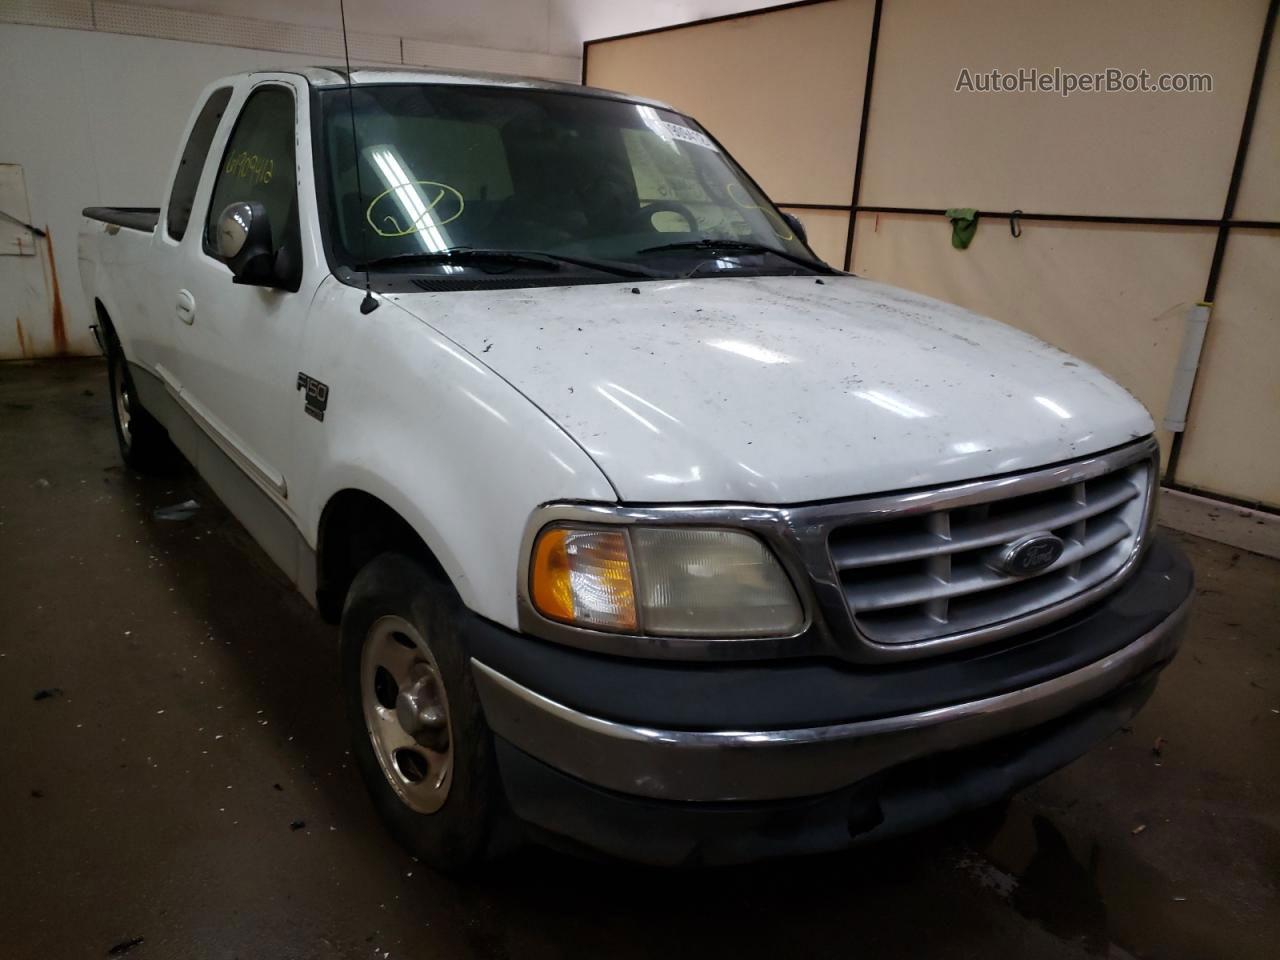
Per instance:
x=369, y=303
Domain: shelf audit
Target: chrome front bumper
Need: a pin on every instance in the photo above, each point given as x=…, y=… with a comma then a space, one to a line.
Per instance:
x=742, y=765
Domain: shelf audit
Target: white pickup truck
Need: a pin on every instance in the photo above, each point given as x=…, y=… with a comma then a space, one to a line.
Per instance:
x=649, y=533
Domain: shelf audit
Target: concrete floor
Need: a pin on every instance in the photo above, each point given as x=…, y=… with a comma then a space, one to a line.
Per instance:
x=198, y=718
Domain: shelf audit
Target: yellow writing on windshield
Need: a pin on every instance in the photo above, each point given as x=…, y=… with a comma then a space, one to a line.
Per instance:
x=407, y=208
x=769, y=215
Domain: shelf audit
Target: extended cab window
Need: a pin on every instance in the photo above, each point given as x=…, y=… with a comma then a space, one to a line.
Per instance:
x=259, y=165
x=185, y=181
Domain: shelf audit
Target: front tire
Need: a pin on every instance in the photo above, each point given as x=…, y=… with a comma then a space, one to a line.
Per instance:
x=418, y=732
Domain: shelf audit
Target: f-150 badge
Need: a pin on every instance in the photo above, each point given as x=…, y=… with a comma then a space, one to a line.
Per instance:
x=315, y=395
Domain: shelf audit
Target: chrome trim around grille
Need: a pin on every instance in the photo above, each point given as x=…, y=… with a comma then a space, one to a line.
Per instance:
x=800, y=535
x=925, y=577
x=815, y=526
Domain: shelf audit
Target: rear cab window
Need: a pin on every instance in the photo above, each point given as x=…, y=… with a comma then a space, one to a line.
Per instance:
x=190, y=166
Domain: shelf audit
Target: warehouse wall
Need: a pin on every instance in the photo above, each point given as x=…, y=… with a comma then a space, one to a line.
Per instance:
x=1232, y=444
x=93, y=115
x=1118, y=295
x=93, y=107
x=91, y=118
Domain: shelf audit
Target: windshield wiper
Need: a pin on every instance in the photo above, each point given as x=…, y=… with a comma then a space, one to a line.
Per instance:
x=609, y=266
x=465, y=255
x=740, y=246
x=516, y=258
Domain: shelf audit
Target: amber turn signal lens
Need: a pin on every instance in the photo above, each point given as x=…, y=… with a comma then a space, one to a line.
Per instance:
x=583, y=577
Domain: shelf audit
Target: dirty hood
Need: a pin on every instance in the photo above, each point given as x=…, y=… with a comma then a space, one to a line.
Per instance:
x=782, y=389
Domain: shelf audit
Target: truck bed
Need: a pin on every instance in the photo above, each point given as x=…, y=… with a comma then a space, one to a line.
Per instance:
x=133, y=218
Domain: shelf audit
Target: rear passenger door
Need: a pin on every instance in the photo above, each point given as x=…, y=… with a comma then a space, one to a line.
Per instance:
x=237, y=346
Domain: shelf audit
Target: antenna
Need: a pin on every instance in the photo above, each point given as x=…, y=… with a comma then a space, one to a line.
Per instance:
x=369, y=303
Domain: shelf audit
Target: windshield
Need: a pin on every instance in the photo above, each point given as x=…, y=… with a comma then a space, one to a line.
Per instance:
x=451, y=168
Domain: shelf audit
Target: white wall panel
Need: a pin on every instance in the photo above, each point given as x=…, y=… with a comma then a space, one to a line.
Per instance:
x=478, y=35
x=554, y=27
x=25, y=319
x=574, y=21
x=241, y=31
x=429, y=53
x=72, y=14
x=499, y=24
x=96, y=118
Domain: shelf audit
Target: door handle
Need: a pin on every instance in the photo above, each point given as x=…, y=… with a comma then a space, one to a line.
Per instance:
x=186, y=307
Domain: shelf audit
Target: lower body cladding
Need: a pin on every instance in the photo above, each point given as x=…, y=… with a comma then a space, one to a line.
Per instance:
x=626, y=759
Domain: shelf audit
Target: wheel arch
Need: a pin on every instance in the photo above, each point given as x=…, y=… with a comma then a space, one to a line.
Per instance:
x=356, y=526
x=104, y=317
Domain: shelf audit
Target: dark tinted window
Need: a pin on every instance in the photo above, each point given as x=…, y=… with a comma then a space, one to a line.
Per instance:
x=259, y=165
x=187, y=178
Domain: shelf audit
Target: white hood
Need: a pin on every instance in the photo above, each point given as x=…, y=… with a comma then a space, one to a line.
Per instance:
x=782, y=389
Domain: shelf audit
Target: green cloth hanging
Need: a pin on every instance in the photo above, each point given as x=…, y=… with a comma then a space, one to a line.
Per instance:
x=964, y=224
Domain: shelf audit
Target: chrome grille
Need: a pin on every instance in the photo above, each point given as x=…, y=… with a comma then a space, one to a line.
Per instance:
x=927, y=575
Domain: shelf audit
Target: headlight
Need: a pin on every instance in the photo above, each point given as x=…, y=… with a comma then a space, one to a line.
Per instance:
x=584, y=577
x=663, y=581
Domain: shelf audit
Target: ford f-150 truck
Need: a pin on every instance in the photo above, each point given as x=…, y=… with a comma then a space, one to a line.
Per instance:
x=649, y=533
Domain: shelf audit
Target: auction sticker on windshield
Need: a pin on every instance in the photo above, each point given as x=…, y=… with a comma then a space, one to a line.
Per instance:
x=689, y=135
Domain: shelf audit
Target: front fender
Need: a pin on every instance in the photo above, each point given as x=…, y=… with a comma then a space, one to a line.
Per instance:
x=418, y=422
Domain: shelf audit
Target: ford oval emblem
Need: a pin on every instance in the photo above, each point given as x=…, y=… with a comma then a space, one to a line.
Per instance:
x=1034, y=553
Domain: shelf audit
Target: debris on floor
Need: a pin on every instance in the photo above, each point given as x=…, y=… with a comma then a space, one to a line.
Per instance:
x=297, y=824
x=124, y=946
x=178, y=511
x=47, y=693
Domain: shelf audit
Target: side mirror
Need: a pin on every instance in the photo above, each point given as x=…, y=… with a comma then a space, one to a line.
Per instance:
x=796, y=226
x=243, y=243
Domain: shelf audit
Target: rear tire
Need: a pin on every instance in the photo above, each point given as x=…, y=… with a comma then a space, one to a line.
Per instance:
x=144, y=444
x=418, y=732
